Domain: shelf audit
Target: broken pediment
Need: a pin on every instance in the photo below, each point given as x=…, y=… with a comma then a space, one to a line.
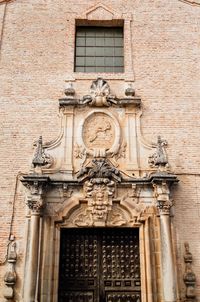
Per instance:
x=100, y=126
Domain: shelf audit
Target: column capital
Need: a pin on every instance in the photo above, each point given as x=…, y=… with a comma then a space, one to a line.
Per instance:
x=36, y=185
x=162, y=195
x=35, y=203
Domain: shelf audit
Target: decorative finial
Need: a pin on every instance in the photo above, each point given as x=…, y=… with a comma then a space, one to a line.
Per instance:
x=189, y=277
x=69, y=90
x=10, y=275
x=39, y=158
x=130, y=91
x=161, y=158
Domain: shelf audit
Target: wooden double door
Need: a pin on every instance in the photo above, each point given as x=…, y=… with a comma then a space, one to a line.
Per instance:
x=99, y=265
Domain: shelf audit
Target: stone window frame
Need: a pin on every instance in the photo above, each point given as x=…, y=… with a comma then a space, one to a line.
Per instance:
x=94, y=17
x=99, y=49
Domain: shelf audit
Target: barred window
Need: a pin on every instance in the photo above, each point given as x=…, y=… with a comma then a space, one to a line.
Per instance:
x=99, y=49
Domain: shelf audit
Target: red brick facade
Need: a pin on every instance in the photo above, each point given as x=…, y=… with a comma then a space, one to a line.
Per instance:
x=162, y=53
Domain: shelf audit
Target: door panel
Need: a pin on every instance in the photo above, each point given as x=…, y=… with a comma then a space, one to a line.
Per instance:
x=99, y=265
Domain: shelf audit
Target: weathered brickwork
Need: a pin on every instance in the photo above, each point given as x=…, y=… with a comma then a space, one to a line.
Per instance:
x=36, y=52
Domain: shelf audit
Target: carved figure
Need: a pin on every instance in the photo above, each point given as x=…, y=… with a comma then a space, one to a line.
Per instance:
x=99, y=188
x=98, y=131
x=99, y=193
x=159, y=158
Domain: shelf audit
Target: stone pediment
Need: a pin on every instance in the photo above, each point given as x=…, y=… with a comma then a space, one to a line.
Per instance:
x=99, y=12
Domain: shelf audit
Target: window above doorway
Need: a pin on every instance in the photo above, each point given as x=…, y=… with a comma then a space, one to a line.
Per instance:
x=99, y=49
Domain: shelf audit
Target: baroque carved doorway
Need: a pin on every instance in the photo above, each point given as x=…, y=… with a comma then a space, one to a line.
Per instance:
x=99, y=265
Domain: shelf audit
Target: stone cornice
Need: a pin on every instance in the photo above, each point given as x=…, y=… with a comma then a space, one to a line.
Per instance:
x=136, y=101
x=154, y=178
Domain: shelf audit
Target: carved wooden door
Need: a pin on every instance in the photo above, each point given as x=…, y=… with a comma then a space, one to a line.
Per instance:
x=99, y=265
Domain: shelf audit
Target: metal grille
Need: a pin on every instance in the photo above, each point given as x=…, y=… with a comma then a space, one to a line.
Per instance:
x=99, y=49
x=99, y=265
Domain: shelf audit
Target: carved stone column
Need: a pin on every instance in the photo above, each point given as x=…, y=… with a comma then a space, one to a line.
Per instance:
x=168, y=273
x=35, y=202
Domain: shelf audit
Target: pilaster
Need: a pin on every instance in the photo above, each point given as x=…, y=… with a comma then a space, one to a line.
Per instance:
x=36, y=185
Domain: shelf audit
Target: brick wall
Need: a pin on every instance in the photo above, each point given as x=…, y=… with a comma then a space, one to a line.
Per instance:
x=36, y=59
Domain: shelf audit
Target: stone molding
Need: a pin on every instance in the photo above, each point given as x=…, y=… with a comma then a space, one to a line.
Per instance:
x=191, y=2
